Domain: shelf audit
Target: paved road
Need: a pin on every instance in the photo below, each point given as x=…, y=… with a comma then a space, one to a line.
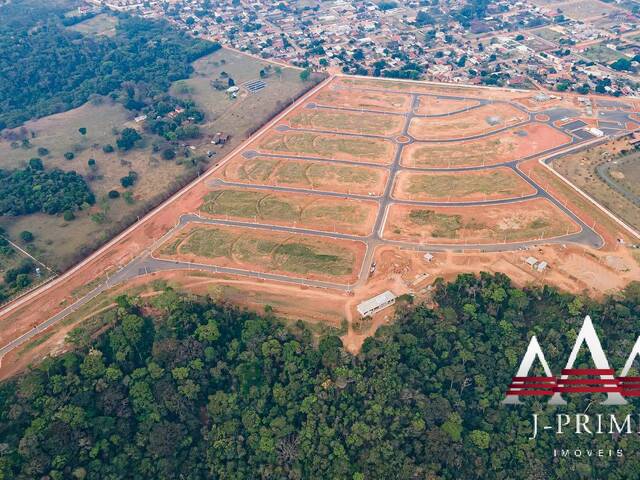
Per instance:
x=147, y=263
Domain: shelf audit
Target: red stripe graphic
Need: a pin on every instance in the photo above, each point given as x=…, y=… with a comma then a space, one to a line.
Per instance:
x=540, y=386
x=588, y=381
x=588, y=371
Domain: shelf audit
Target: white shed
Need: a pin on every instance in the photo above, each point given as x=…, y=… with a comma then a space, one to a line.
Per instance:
x=377, y=303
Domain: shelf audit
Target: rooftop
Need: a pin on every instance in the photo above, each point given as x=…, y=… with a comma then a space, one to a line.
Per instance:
x=375, y=302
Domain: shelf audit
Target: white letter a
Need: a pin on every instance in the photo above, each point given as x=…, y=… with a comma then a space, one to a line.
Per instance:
x=533, y=351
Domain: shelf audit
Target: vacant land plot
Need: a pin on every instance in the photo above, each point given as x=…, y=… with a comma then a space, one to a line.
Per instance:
x=601, y=53
x=267, y=251
x=348, y=122
x=551, y=34
x=371, y=150
x=303, y=210
x=580, y=169
x=102, y=24
x=443, y=105
x=584, y=9
x=481, y=120
x=306, y=174
x=491, y=184
x=627, y=172
x=429, y=88
x=512, y=144
x=381, y=101
x=535, y=103
x=535, y=43
x=512, y=222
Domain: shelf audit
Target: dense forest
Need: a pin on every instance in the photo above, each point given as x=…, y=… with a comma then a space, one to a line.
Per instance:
x=47, y=68
x=182, y=387
x=32, y=190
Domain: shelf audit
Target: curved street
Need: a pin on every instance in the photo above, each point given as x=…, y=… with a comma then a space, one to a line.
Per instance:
x=147, y=263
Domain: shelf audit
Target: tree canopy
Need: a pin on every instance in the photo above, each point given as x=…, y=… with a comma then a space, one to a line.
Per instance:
x=47, y=68
x=32, y=190
x=183, y=387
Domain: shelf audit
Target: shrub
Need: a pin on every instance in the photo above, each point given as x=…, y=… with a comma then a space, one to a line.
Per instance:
x=26, y=236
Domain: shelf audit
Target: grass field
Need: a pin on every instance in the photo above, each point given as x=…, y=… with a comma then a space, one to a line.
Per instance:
x=481, y=152
x=307, y=174
x=628, y=172
x=267, y=251
x=580, y=169
x=61, y=244
x=585, y=9
x=349, y=122
x=57, y=242
x=327, y=146
x=102, y=24
x=349, y=216
x=243, y=115
x=461, y=186
x=601, y=53
x=550, y=34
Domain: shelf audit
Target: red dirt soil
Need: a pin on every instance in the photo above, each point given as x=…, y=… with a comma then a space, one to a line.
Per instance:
x=382, y=101
x=439, y=106
x=512, y=144
x=487, y=224
x=466, y=124
x=430, y=88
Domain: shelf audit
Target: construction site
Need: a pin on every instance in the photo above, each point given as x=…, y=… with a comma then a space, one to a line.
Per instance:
x=362, y=186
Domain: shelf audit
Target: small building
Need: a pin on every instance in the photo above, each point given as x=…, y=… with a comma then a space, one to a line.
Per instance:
x=531, y=261
x=220, y=138
x=595, y=132
x=542, y=266
x=377, y=303
x=428, y=257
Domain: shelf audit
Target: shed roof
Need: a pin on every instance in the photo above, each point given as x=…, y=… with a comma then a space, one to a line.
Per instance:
x=375, y=302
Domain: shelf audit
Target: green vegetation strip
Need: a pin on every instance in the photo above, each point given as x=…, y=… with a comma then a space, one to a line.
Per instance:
x=327, y=146
x=276, y=252
x=252, y=204
x=462, y=185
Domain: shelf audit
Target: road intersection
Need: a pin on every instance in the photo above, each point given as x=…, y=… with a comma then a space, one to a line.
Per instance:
x=148, y=262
